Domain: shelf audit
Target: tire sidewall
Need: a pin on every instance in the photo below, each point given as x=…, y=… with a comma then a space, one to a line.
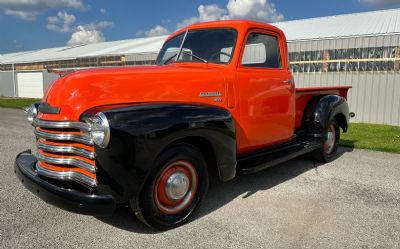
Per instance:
x=332, y=155
x=151, y=214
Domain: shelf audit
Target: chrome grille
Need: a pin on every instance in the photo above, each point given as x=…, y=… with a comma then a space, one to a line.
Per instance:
x=65, y=151
x=63, y=136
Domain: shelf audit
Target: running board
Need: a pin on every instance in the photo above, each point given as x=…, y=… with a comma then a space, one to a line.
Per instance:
x=264, y=159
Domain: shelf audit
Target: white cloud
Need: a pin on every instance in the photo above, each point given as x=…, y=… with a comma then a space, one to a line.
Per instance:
x=207, y=13
x=61, y=23
x=83, y=35
x=103, y=11
x=89, y=33
x=156, y=31
x=17, y=44
x=261, y=10
x=24, y=15
x=30, y=9
x=380, y=3
x=100, y=25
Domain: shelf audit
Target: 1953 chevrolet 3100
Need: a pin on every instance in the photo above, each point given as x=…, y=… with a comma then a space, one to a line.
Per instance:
x=221, y=99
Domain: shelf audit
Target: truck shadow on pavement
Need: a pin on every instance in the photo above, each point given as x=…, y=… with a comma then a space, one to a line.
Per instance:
x=221, y=193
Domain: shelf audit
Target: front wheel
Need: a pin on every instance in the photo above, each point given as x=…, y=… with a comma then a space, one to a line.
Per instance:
x=174, y=189
x=329, y=149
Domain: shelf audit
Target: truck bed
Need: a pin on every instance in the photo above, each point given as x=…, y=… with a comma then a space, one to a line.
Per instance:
x=304, y=94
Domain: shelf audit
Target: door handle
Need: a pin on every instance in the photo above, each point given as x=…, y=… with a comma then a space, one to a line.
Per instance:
x=288, y=81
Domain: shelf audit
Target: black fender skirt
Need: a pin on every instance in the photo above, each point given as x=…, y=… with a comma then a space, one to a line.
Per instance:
x=323, y=109
x=140, y=132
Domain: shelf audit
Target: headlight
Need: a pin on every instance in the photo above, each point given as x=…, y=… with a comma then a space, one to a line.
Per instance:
x=100, y=130
x=32, y=112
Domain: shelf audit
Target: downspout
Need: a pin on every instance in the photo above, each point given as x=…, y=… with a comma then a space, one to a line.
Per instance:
x=15, y=87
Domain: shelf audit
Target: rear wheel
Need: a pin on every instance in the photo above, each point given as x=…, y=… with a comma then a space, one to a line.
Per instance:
x=174, y=189
x=329, y=149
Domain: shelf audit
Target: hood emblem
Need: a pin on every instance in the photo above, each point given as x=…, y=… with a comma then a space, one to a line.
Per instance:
x=210, y=94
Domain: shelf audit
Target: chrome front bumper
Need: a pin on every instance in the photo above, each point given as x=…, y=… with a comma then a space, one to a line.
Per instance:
x=67, y=199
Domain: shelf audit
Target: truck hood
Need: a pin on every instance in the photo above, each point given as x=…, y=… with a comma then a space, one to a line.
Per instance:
x=179, y=82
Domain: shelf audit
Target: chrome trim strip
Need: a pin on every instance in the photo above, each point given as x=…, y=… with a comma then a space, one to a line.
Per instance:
x=68, y=137
x=66, y=161
x=66, y=175
x=51, y=124
x=65, y=149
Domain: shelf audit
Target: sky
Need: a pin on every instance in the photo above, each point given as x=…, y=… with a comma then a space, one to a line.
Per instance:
x=36, y=24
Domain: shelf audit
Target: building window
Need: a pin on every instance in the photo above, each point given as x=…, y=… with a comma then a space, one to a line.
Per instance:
x=350, y=60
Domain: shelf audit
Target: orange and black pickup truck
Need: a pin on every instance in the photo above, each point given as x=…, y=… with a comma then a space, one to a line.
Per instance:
x=220, y=100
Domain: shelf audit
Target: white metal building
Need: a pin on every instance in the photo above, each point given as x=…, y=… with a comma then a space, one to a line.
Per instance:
x=361, y=50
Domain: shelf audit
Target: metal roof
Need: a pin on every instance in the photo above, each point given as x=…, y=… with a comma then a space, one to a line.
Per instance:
x=384, y=22
x=139, y=45
x=374, y=23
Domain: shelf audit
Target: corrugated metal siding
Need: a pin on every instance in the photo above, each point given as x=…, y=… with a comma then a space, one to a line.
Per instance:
x=141, y=57
x=375, y=96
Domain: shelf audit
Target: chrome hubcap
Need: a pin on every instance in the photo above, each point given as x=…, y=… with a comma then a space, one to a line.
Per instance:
x=177, y=186
x=330, y=139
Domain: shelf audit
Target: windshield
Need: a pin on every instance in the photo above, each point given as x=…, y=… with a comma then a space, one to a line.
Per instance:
x=203, y=46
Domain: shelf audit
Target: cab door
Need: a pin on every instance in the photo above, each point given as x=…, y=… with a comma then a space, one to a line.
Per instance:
x=266, y=92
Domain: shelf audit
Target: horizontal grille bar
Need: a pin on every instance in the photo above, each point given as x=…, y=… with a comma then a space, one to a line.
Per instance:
x=67, y=161
x=61, y=125
x=65, y=149
x=64, y=137
x=66, y=175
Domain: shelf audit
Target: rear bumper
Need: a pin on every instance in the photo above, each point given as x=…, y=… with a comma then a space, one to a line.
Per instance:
x=66, y=199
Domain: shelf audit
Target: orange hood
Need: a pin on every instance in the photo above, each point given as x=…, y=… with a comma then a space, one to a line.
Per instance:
x=179, y=82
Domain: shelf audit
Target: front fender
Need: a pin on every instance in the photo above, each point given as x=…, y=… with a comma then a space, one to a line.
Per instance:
x=139, y=133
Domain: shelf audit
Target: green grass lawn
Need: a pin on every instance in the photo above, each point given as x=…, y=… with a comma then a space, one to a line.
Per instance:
x=373, y=137
x=17, y=102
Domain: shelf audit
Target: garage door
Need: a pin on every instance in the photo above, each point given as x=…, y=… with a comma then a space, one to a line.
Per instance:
x=30, y=85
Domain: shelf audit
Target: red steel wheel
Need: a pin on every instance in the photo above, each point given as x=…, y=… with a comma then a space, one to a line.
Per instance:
x=330, y=142
x=175, y=187
x=329, y=148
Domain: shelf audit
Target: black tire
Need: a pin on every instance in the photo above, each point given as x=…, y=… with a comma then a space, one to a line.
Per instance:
x=324, y=155
x=146, y=205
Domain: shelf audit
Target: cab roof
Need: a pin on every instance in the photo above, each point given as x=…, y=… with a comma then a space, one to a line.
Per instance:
x=239, y=25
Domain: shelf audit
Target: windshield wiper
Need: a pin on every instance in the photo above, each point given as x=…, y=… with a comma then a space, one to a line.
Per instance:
x=187, y=53
x=195, y=56
x=181, y=51
x=170, y=58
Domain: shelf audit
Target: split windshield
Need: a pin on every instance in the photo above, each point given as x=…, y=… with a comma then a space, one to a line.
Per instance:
x=201, y=46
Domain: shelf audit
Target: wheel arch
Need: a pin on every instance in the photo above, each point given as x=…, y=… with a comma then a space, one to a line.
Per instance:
x=139, y=134
x=206, y=148
x=320, y=110
x=342, y=121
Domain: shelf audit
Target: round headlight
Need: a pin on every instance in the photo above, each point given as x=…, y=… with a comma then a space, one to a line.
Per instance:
x=100, y=130
x=32, y=113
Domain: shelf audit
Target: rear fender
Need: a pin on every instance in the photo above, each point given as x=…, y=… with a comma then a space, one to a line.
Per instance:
x=320, y=110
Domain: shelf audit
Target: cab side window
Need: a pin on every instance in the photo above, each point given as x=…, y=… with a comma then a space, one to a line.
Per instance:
x=262, y=50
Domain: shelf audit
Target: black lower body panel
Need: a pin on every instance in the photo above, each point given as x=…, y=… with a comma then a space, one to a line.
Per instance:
x=277, y=154
x=70, y=200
